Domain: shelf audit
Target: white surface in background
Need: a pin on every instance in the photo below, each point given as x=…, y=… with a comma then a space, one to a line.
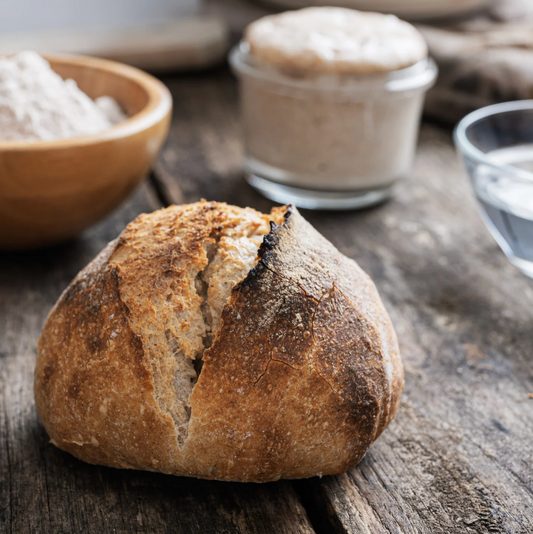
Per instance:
x=32, y=15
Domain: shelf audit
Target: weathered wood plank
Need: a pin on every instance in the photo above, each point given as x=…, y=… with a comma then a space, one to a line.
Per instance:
x=459, y=456
x=32, y=474
x=457, y=459
x=204, y=152
x=45, y=490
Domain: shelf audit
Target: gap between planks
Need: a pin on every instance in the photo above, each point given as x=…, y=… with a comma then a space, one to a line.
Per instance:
x=166, y=187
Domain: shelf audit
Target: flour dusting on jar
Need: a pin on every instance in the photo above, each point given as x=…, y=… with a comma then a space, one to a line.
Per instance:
x=331, y=101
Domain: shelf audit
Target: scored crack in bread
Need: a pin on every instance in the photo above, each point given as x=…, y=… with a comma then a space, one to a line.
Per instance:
x=217, y=342
x=188, y=265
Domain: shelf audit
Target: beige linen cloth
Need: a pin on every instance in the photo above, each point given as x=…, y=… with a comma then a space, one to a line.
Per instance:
x=483, y=60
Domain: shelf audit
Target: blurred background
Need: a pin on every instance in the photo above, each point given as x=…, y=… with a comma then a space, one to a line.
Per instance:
x=34, y=15
x=484, y=48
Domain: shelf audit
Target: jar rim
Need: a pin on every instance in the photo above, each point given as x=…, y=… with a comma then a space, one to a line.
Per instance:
x=418, y=77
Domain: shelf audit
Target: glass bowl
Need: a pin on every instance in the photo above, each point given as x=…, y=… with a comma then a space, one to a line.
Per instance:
x=496, y=145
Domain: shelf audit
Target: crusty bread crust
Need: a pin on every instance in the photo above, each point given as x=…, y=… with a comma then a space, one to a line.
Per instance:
x=302, y=376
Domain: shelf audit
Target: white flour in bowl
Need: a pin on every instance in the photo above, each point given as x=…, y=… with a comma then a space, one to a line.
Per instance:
x=36, y=104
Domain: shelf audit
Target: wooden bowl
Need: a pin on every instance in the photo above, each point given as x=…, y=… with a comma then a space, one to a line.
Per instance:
x=50, y=191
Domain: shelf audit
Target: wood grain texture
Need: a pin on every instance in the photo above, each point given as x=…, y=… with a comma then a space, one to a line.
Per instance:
x=459, y=456
x=45, y=490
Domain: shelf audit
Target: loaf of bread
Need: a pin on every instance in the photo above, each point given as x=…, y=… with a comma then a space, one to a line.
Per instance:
x=217, y=342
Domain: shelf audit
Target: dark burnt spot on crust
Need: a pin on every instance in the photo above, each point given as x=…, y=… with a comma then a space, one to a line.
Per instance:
x=72, y=292
x=141, y=368
x=48, y=373
x=288, y=213
x=271, y=240
x=96, y=344
x=266, y=251
x=251, y=279
x=74, y=387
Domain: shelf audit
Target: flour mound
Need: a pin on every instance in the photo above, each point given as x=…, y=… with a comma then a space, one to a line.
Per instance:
x=37, y=104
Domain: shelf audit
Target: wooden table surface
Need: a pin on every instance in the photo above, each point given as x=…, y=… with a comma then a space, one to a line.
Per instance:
x=458, y=457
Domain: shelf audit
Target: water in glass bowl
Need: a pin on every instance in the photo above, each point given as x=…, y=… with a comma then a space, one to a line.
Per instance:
x=507, y=203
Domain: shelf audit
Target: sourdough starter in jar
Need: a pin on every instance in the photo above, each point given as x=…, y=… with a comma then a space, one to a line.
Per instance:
x=331, y=101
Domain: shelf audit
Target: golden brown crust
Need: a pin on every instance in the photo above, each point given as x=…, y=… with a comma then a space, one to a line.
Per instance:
x=302, y=376
x=93, y=389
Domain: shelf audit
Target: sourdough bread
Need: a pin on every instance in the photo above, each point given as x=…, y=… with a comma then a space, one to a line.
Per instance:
x=217, y=342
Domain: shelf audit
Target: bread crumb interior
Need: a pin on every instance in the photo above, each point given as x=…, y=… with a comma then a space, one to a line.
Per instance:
x=176, y=279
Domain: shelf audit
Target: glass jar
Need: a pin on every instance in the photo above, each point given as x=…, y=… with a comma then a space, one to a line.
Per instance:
x=328, y=141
